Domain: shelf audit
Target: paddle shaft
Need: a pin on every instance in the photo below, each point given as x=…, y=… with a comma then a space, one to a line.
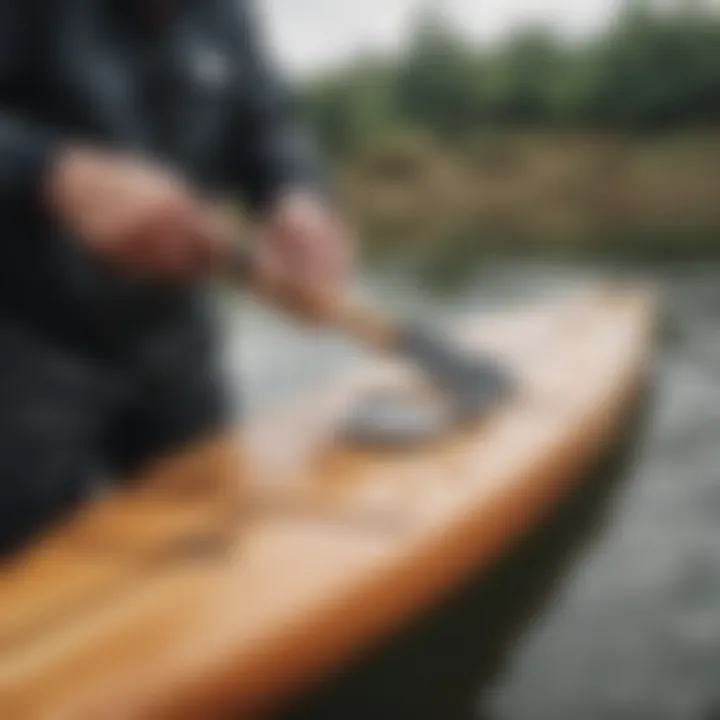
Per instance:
x=472, y=384
x=366, y=325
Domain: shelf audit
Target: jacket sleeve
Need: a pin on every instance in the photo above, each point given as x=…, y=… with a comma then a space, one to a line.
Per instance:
x=270, y=150
x=25, y=148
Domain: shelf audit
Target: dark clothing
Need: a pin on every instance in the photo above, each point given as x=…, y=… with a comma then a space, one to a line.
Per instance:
x=189, y=88
x=194, y=93
x=68, y=423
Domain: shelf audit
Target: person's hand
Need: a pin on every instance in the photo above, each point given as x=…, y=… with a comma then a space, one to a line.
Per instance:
x=135, y=216
x=304, y=256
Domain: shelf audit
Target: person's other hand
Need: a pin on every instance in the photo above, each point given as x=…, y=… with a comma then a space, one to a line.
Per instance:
x=135, y=216
x=305, y=256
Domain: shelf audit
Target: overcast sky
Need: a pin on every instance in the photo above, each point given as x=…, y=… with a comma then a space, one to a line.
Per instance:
x=309, y=35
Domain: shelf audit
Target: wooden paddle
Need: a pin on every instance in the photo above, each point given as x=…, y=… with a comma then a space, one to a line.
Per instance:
x=473, y=384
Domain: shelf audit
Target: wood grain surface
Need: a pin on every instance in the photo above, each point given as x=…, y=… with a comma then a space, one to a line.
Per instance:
x=251, y=567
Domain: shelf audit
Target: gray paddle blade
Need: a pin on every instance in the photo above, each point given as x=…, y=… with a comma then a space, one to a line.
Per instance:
x=475, y=384
x=397, y=419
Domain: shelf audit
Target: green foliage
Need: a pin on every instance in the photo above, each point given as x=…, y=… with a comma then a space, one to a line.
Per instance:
x=352, y=106
x=651, y=69
x=439, y=85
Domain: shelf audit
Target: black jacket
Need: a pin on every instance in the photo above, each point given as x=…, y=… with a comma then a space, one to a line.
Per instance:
x=193, y=91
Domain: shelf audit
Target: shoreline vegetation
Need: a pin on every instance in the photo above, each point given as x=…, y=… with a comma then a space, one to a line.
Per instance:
x=539, y=192
x=541, y=145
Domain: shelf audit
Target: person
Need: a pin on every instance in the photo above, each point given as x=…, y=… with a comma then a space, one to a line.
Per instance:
x=118, y=120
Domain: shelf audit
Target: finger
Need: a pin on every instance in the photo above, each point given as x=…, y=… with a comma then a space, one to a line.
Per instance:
x=214, y=235
x=131, y=256
x=173, y=255
x=270, y=272
x=325, y=257
x=180, y=244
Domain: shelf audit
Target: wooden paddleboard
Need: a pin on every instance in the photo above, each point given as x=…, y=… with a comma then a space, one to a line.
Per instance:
x=337, y=546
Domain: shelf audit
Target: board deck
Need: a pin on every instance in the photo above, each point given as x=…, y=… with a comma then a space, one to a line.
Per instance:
x=336, y=547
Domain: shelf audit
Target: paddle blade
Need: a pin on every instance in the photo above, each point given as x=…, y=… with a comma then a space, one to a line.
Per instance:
x=476, y=384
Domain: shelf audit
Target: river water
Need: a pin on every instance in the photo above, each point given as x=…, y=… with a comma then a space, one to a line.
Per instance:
x=629, y=624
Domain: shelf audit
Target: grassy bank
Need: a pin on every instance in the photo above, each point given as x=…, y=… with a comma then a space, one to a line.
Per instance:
x=550, y=193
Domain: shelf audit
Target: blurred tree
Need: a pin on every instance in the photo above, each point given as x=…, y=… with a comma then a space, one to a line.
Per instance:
x=658, y=69
x=353, y=105
x=527, y=78
x=654, y=67
x=441, y=81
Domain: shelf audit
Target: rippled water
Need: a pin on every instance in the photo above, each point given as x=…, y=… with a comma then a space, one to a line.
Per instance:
x=635, y=630
x=630, y=629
